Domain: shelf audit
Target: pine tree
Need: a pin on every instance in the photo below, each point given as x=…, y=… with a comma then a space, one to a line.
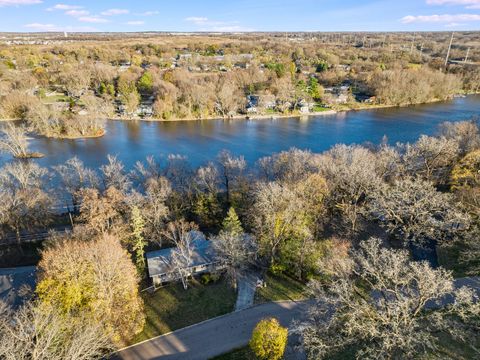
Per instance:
x=231, y=224
x=138, y=242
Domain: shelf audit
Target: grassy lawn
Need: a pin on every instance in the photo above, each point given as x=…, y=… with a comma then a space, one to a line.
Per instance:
x=171, y=308
x=55, y=98
x=238, y=354
x=280, y=287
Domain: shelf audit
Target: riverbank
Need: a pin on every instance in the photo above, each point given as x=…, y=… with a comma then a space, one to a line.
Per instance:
x=335, y=110
x=235, y=117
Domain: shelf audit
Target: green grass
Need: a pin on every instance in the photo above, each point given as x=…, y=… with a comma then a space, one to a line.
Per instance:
x=171, y=308
x=238, y=354
x=54, y=99
x=280, y=287
x=319, y=108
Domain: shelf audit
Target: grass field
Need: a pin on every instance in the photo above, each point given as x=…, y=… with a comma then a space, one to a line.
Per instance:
x=171, y=308
x=280, y=287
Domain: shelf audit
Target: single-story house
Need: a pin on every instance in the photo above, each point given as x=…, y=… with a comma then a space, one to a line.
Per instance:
x=17, y=284
x=203, y=260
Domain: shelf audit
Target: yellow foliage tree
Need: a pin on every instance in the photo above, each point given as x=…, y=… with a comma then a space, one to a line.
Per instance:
x=269, y=339
x=467, y=171
x=96, y=279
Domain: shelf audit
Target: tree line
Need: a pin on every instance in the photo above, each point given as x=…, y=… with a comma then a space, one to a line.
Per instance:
x=342, y=220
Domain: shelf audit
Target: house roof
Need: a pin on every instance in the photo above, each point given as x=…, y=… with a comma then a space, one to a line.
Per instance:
x=159, y=261
x=12, y=283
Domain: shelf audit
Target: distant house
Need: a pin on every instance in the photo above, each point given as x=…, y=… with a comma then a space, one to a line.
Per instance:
x=16, y=284
x=204, y=260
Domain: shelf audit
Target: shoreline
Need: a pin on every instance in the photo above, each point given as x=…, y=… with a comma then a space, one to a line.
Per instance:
x=361, y=107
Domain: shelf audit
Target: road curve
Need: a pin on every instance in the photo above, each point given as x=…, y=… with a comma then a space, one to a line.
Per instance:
x=212, y=337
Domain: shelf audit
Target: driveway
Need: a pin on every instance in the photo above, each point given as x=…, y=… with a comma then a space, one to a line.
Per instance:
x=247, y=284
x=213, y=337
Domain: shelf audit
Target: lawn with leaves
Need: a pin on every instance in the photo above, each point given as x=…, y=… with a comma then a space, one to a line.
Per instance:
x=171, y=307
x=280, y=287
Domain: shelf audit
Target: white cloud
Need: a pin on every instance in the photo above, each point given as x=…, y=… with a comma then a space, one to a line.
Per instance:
x=135, y=22
x=205, y=24
x=469, y=4
x=19, y=2
x=197, y=20
x=64, y=7
x=93, y=19
x=112, y=12
x=51, y=27
x=148, y=13
x=446, y=18
x=77, y=13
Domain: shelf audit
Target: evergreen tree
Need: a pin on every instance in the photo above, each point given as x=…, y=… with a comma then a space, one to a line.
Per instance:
x=231, y=224
x=138, y=242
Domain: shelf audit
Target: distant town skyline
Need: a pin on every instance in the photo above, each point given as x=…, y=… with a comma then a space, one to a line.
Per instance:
x=239, y=16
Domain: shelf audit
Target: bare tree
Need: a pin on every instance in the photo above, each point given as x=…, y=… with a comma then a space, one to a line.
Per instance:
x=114, y=175
x=24, y=204
x=288, y=166
x=414, y=210
x=431, y=158
x=231, y=170
x=154, y=209
x=75, y=176
x=351, y=174
x=387, y=308
x=42, y=332
x=14, y=140
x=182, y=235
x=236, y=251
x=465, y=133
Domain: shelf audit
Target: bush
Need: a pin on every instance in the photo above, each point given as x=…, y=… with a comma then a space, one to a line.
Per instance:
x=269, y=339
x=210, y=278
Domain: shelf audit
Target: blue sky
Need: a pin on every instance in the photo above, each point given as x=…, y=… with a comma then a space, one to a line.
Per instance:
x=239, y=15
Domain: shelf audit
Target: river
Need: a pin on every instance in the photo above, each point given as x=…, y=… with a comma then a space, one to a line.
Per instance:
x=201, y=140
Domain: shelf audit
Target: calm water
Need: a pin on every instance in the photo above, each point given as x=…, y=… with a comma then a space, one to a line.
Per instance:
x=202, y=140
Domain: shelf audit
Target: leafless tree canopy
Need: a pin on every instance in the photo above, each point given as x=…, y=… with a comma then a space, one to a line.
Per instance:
x=387, y=307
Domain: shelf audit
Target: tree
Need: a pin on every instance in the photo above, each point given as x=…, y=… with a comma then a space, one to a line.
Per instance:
x=94, y=279
x=105, y=212
x=114, y=175
x=41, y=332
x=75, y=177
x=269, y=340
x=182, y=235
x=351, y=175
x=137, y=241
x=14, y=141
x=231, y=224
x=388, y=307
x=415, y=211
x=431, y=158
x=145, y=83
x=233, y=247
x=231, y=169
x=24, y=204
x=465, y=133
x=154, y=209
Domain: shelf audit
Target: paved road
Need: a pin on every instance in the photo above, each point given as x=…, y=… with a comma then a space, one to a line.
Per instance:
x=213, y=337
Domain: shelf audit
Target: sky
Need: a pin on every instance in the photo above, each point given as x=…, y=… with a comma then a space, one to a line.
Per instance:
x=239, y=15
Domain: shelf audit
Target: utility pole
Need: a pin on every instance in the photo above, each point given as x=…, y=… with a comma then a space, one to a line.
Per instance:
x=448, y=52
x=466, y=57
x=413, y=42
